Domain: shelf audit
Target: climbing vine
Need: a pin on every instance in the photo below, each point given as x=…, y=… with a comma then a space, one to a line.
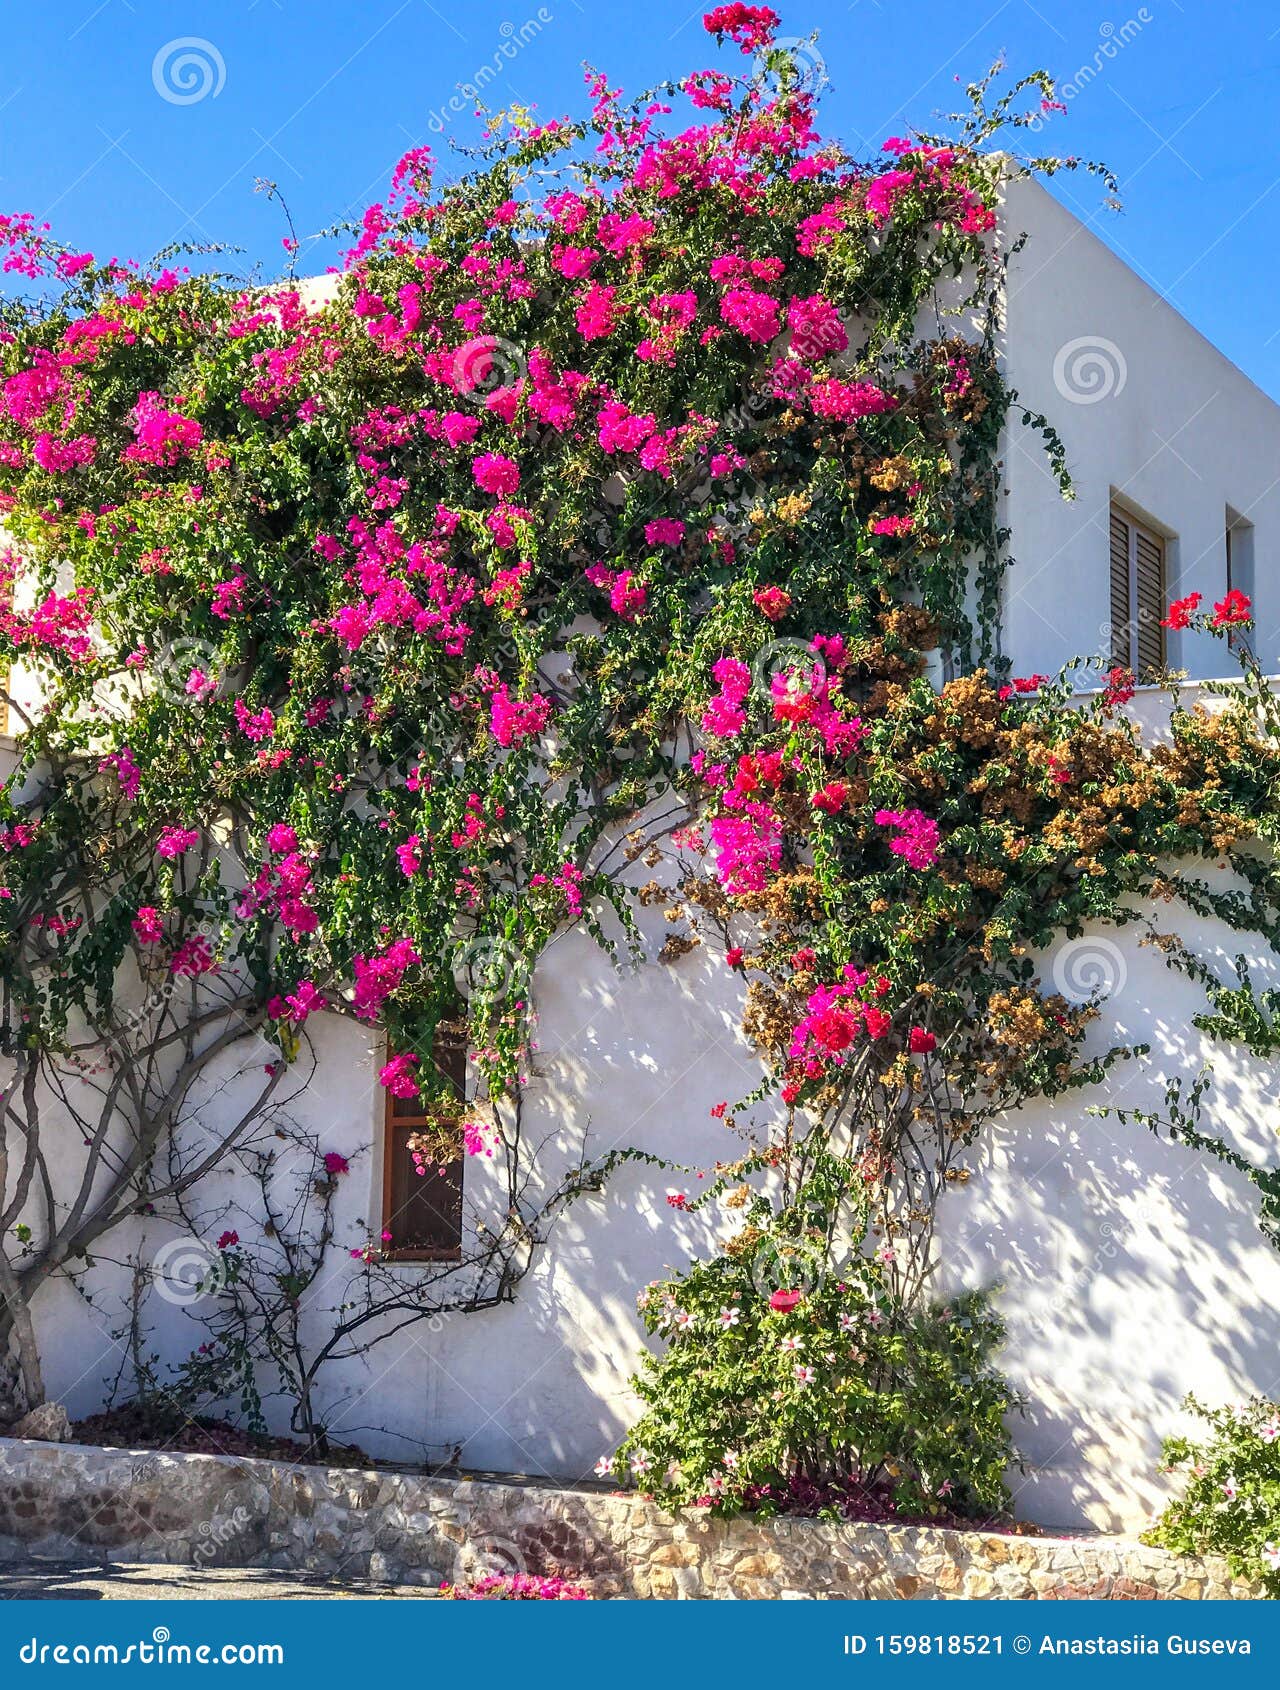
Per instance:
x=609, y=510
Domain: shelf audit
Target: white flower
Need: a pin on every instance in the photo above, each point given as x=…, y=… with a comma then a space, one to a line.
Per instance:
x=730, y=1459
x=640, y=1462
x=728, y=1318
x=805, y=1375
x=848, y=1322
x=1229, y=1489
x=604, y=1467
x=1270, y=1432
x=792, y=1342
x=874, y=1316
x=886, y=1253
x=1271, y=1555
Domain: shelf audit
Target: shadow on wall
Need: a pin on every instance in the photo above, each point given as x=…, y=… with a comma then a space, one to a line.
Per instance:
x=1133, y=1269
x=540, y=1386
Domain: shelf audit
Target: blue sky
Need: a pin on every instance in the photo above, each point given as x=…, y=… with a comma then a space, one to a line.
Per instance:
x=1176, y=95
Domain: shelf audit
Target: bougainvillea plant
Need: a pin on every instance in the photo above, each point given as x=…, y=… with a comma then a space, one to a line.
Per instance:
x=1231, y=1502
x=602, y=513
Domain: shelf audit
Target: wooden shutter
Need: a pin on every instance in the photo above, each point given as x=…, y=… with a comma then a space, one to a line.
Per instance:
x=1120, y=630
x=423, y=1211
x=1138, y=595
x=1149, y=569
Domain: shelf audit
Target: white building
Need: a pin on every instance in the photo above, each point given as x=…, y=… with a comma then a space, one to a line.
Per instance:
x=1131, y=1271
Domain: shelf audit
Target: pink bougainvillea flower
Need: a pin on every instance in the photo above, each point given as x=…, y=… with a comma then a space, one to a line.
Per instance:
x=478, y=1138
x=228, y=1241
x=192, y=958
x=164, y=435
x=335, y=1164
x=920, y=1041
x=752, y=313
x=126, y=770
x=409, y=855
x=398, y=1076
x=377, y=977
x=784, y=1301
x=915, y=836
x=512, y=721
x=816, y=329
x=148, y=924
x=663, y=531
x=173, y=841
x=751, y=27
x=495, y=474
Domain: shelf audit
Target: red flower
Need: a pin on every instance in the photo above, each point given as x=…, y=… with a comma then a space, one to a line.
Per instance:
x=921, y=1041
x=335, y=1164
x=1181, y=611
x=1120, y=689
x=772, y=602
x=227, y=1240
x=785, y=1301
x=790, y=1092
x=1235, y=608
x=717, y=1111
x=831, y=798
x=733, y=956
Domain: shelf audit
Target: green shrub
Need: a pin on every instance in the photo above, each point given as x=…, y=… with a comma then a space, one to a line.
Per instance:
x=791, y=1384
x=1231, y=1505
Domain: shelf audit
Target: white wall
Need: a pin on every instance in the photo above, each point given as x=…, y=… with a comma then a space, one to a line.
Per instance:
x=1145, y=406
x=1132, y=1271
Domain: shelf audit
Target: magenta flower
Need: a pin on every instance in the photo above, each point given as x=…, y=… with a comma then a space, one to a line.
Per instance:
x=495, y=474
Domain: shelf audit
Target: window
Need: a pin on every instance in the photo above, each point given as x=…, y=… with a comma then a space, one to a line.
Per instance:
x=1137, y=594
x=423, y=1211
x=1239, y=539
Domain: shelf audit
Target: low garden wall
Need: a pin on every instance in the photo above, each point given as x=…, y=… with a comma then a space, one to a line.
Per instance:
x=70, y=1502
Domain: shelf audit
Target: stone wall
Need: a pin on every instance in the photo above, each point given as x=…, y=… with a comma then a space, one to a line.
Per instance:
x=69, y=1502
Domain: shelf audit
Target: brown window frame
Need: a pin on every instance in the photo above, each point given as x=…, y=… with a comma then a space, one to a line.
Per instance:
x=401, y=1118
x=1139, y=593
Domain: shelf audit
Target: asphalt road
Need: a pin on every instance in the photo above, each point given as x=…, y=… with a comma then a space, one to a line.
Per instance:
x=129, y=1582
